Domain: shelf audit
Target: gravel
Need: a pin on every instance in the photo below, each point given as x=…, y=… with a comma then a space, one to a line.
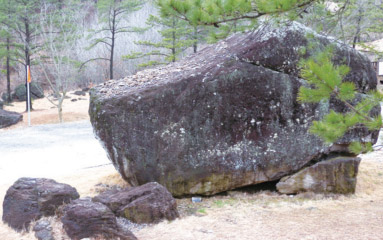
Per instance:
x=49, y=151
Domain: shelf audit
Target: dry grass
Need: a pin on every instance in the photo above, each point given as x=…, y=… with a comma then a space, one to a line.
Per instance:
x=267, y=215
x=237, y=215
x=260, y=215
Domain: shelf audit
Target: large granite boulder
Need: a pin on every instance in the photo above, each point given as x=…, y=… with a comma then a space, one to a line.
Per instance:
x=8, y=118
x=29, y=199
x=83, y=219
x=225, y=117
x=336, y=175
x=149, y=203
x=21, y=94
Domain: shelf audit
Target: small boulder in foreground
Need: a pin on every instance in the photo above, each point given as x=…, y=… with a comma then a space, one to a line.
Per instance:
x=8, y=118
x=149, y=203
x=83, y=219
x=29, y=199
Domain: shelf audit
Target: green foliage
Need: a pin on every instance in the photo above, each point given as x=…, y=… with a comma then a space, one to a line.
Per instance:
x=357, y=147
x=214, y=12
x=177, y=36
x=325, y=80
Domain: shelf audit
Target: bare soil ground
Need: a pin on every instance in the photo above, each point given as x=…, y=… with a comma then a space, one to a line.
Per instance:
x=44, y=112
x=239, y=215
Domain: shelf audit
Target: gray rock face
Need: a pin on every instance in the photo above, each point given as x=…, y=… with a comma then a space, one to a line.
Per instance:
x=83, y=219
x=337, y=175
x=149, y=203
x=1, y=104
x=29, y=199
x=43, y=230
x=223, y=118
x=36, y=92
x=8, y=118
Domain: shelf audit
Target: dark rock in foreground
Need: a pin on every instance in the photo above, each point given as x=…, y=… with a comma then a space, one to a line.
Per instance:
x=225, y=117
x=29, y=199
x=8, y=118
x=337, y=175
x=83, y=219
x=149, y=203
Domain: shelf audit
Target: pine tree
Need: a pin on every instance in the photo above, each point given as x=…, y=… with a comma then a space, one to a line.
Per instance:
x=177, y=36
x=326, y=80
x=23, y=22
x=111, y=17
x=217, y=12
x=6, y=46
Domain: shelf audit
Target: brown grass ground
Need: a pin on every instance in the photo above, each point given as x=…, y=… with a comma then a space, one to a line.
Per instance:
x=242, y=215
x=45, y=113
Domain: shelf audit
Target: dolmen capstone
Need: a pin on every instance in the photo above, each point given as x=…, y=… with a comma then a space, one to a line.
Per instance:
x=30, y=199
x=225, y=117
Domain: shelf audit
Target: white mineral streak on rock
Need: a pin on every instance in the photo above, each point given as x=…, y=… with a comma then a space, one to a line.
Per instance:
x=308, y=181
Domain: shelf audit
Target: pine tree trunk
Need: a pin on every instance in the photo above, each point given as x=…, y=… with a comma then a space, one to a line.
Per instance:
x=111, y=62
x=9, y=99
x=195, y=38
x=174, y=41
x=27, y=61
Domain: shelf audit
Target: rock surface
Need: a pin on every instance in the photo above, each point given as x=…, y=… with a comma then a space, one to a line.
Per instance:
x=83, y=219
x=337, y=175
x=29, y=199
x=43, y=230
x=223, y=118
x=8, y=118
x=36, y=92
x=80, y=93
x=149, y=203
x=1, y=104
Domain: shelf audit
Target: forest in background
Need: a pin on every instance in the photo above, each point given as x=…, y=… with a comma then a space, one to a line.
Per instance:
x=80, y=43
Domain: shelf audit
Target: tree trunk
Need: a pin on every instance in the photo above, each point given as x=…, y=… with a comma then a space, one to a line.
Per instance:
x=357, y=34
x=9, y=99
x=174, y=41
x=111, y=62
x=27, y=61
x=60, y=107
x=195, y=38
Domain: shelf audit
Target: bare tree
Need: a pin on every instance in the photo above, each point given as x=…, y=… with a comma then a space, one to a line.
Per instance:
x=60, y=34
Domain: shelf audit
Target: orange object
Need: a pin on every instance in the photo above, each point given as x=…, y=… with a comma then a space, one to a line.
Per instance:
x=29, y=74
